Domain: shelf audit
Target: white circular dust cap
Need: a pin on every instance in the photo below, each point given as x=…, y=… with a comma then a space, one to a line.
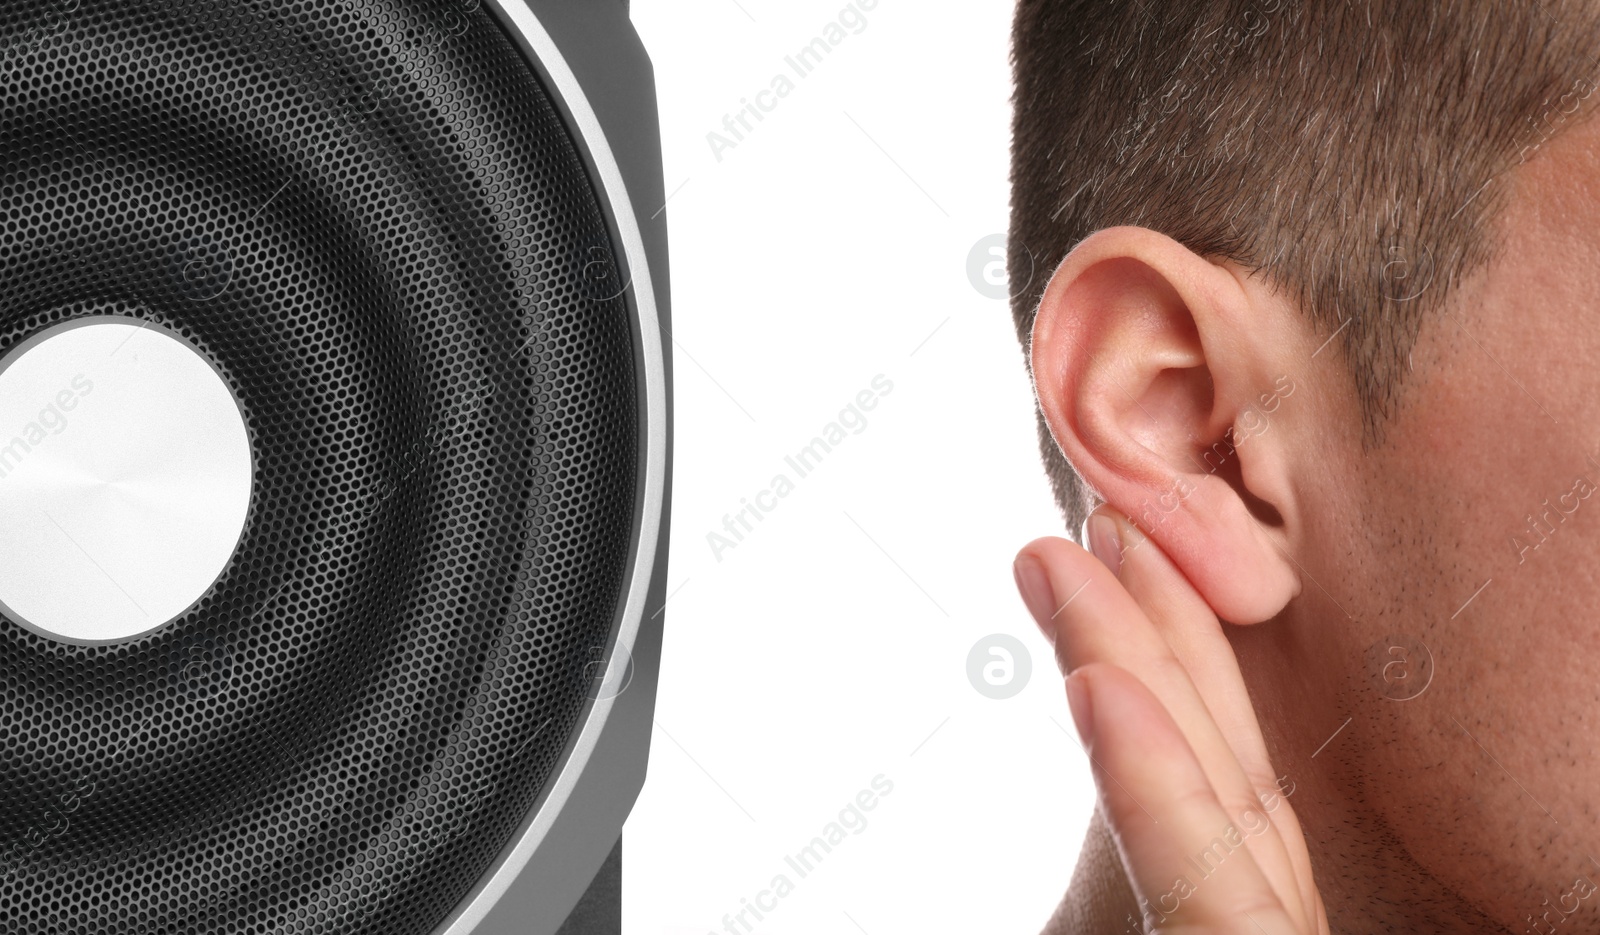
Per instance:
x=125, y=479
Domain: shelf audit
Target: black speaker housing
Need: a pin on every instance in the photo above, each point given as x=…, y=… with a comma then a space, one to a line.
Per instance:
x=160, y=161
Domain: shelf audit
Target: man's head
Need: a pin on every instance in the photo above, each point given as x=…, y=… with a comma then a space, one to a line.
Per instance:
x=1326, y=328
x=1344, y=151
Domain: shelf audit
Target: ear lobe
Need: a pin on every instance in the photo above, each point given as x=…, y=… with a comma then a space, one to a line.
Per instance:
x=1156, y=371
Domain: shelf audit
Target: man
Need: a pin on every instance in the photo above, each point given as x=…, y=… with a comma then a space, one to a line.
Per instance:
x=1320, y=353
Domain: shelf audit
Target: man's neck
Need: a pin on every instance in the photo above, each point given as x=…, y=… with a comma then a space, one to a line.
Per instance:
x=1368, y=884
x=1369, y=881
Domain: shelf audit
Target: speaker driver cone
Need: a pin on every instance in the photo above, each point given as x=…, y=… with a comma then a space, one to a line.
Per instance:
x=368, y=224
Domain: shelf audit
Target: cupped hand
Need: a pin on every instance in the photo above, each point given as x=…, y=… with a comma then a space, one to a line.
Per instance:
x=1202, y=821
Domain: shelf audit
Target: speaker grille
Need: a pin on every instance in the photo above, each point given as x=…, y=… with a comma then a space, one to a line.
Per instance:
x=370, y=217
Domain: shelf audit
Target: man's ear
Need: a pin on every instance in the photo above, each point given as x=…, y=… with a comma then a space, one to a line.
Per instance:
x=1163, y=377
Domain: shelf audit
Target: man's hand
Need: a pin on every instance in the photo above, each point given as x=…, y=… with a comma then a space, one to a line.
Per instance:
x=1201, y=821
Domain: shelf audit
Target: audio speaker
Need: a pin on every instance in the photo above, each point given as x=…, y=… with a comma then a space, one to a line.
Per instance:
x=334, y=456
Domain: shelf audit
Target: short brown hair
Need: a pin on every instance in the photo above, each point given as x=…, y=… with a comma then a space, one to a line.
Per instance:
x=1344, y=149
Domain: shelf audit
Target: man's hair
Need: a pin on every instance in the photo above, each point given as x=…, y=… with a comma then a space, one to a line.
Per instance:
x=1349, y=151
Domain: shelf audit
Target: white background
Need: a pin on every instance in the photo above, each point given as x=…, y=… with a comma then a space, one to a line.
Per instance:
x=830, y=646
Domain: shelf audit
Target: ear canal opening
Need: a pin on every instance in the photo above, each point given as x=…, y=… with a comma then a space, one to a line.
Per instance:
x=1232, y=473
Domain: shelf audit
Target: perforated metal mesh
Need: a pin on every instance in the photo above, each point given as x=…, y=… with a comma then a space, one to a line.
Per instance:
x=369, y=216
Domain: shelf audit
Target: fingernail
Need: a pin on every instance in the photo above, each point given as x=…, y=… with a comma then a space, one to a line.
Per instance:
x=1101, y=532
x=1034, y=586
x=1082, y=707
